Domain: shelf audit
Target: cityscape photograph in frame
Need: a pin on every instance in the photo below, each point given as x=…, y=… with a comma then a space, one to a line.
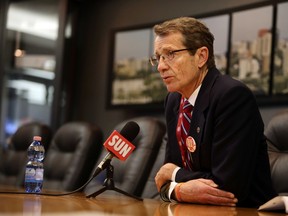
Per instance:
x=280, y=73
x=250, y=52
x=219, y=27
x=134, y=82
x=247, y=47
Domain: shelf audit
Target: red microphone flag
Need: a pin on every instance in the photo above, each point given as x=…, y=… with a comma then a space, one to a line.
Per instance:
x=119, y=145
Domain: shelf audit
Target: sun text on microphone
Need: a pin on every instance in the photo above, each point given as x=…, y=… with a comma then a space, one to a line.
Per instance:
x=119, y=145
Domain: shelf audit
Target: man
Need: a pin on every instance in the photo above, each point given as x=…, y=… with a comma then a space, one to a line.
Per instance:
x=221, y=158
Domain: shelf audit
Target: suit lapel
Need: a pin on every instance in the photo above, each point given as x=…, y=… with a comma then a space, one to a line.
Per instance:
x=199, y=117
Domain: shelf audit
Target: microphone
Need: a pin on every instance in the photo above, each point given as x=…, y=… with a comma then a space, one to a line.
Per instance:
x=119, y=145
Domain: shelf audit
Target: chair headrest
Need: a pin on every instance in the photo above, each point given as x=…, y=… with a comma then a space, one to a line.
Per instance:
x=70, y=136
x=149, y=128
x=277, y=132
x=23, y=137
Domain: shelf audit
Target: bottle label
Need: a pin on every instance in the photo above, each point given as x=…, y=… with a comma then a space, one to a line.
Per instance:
x=30, y=174
x=33, y=175
x=39, y=174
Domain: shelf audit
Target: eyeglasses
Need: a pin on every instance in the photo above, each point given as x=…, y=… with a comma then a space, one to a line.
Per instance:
x=154, y=60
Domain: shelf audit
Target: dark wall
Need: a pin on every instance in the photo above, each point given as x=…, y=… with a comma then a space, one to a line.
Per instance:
x=96, y=20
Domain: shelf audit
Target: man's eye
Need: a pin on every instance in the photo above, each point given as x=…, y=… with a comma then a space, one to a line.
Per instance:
x=170, y=54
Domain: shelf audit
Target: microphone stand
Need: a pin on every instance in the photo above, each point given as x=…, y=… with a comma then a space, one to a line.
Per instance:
x=109, y=185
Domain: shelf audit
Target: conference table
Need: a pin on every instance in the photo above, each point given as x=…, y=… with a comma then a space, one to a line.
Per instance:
x=110, y=203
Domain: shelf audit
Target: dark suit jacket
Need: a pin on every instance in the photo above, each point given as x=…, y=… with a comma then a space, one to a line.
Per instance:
x=230, y=145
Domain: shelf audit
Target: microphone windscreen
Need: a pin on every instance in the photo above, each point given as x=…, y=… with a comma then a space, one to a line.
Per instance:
x=130, y=130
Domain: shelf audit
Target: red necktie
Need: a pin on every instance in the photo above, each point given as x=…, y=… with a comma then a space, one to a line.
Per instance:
x=183, y=127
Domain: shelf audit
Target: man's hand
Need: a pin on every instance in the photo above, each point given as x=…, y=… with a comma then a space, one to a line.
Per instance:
x=205, y=191
x=164, y=175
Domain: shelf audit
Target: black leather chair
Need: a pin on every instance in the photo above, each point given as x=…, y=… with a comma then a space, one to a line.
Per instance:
x=131, y=175
x=150, y=189
x=13, y=159
x=74, y=149
x=277, y=140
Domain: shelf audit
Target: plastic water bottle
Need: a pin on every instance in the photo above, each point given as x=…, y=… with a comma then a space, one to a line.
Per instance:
x=34, y=168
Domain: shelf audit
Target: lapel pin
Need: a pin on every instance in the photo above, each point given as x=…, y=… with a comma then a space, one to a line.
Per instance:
x=191, y=144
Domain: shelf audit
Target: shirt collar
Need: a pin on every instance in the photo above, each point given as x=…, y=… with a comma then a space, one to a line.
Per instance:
x=194, y=95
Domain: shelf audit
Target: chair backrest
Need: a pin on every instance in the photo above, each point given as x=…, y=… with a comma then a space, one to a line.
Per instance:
x=74, y=149
x=277, y=140
x=150, y=189
x=13, y=159
x=23, y=137
x=131, y=175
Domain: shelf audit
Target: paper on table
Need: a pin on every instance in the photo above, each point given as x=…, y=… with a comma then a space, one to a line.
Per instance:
x=277, y=203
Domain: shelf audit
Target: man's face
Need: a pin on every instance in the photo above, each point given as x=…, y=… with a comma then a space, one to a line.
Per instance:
x=180, y=74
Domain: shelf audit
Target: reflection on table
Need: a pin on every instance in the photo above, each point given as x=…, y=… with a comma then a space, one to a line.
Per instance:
x=110, y=203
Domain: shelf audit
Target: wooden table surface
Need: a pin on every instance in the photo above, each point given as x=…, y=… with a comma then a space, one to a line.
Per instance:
x=110, y=203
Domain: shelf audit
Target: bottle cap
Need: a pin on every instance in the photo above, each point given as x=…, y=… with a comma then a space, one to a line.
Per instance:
x=37, y=138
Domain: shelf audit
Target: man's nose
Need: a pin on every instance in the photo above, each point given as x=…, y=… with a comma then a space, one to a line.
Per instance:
x=162, y=65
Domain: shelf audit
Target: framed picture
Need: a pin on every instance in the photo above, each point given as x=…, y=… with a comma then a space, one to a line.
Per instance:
x=280, y=73
x=250, y=52
x=219, y=26
x=251, y=45
x=134, y=82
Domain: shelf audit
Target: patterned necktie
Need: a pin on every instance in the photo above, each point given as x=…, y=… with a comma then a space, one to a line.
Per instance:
x=185, y=120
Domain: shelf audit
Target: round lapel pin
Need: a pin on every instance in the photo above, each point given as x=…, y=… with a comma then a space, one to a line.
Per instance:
x=191, y=144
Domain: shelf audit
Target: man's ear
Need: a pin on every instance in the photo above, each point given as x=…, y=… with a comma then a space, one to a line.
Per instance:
x=203, y=54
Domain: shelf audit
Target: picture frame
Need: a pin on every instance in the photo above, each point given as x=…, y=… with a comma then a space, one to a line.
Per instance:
x=219, y=26
x=250, y=51
x=280, y=69
x=250, y=45
x=133, y=81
